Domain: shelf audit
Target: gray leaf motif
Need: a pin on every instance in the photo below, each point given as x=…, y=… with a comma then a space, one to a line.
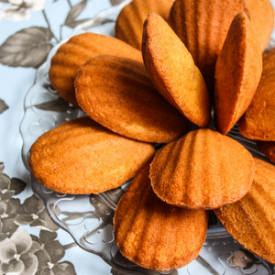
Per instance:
x=116, y=2
x=26, y=48
x=17, y=185
x=50, y=253
x=57, y=105
x=2, y=166
x=3, y=106
x=75, y=11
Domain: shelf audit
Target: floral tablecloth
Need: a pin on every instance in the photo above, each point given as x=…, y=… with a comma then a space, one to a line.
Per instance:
x=30, y=242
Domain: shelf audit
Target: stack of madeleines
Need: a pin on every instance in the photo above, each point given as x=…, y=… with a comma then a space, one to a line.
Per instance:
x=183, y=59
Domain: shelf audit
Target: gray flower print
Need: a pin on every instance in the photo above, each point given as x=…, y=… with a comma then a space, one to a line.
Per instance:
x=10, y=187
x=16, y=255
x=34, y=213
x=8, y=213
x=5, y=188
x=50, y=254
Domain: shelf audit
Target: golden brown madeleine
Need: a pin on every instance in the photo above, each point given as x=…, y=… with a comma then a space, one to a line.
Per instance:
x=268, y=148
x=130, y=21
x=81, y=157
x=117, y=93
x=238, y=72
x=251, y=220
x=204, y=169
x=269, y=61
x=258, y=123
x=153, y=234
x=76, y=52
x=203, y=25
x=262, y=18
x=172, y=69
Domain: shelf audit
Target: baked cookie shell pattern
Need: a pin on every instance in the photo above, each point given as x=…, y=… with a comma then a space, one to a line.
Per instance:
x=261, y=14
x=173, y=72
x=203, y=25
x=130, y=21
x=251, y=220
x=76, y=52
x=81, y=157
x=258, y=123
x=203, y=169
x=153, y=234
x=117, y=93
x=238, y=72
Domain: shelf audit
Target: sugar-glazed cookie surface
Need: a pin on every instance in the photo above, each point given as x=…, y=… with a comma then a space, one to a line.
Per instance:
x=153, y=234
x=81, y=157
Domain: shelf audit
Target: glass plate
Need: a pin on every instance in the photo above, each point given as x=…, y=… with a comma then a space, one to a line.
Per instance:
x=88, y=219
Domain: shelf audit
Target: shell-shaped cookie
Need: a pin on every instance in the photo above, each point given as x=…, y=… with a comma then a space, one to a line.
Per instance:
x=129, y=24
x=258, y=123
x=153, y=234
x=262, y=19
x=117, y=93
x=268, y=148
x=172, y=70
x=238, y=72
x=203, y=169
x=203, y=25
x=251, y=220
x=76, y=52
x=81, y=157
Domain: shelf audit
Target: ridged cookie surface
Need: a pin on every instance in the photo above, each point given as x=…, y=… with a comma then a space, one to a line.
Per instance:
x=117, y=93
x=81, y=157
x=262, y=18
x=76, y=52
x=153, y=234
x=203, y=25
x=238, y=72
x=172, y=70
x=203, y=169
x=258, y=123
x=129, y=24
x=251, y=220
x=268, y=148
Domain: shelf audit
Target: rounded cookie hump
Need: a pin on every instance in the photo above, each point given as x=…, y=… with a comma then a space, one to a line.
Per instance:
x=81, y=157
x=251, y=220
x=129, y=24
x=172, y=70
x=238, y=73
x=117, y=93
x=202, y=170
x=76, y=52
x=261, y=14
x=258, y=123
x=153, y=234
x=203, y=25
